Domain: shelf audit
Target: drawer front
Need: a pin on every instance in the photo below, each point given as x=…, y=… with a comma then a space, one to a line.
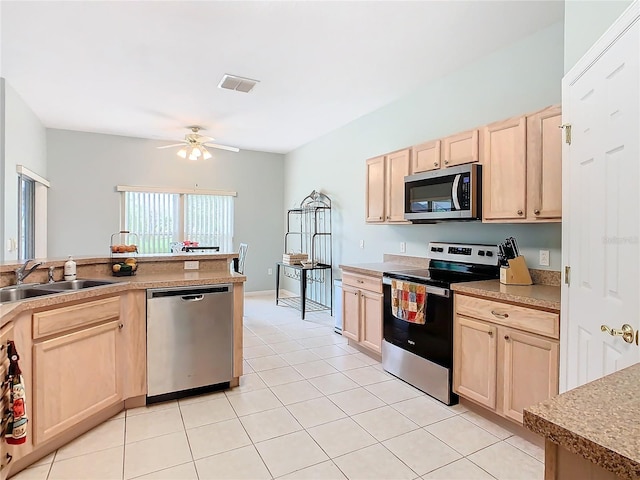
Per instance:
x=523, y=318
x=68, y=318
x=364, y=282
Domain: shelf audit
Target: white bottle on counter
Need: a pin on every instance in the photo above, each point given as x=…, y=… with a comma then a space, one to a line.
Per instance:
x=70, y=269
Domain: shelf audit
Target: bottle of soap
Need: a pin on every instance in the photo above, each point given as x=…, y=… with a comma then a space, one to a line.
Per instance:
x=70, y=269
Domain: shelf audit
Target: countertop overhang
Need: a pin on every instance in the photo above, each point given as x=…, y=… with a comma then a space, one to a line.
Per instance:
x=598, y=421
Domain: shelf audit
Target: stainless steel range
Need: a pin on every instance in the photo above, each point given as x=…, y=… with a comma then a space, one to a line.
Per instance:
x=422, y=353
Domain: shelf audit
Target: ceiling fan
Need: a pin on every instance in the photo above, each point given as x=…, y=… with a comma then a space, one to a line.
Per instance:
x=194, y=145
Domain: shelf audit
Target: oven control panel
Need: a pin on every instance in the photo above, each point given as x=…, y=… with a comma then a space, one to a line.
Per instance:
x=463, y=252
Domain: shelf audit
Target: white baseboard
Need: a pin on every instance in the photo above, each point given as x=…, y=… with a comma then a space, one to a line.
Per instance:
x=260, y=293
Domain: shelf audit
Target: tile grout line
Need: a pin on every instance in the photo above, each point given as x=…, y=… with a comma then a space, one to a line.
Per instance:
x=184, y=427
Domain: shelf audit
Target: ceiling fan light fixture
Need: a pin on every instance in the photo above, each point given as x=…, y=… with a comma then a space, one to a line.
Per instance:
x=205, y=154
x=182, y=153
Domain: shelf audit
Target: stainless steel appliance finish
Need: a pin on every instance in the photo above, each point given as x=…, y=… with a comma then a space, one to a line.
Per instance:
x=451, y=194
x=422, y=355
x=189, y=338
x=419, y=372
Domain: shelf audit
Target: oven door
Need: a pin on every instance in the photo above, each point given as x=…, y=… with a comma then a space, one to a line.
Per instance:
x=443, y=195
x=434, y=339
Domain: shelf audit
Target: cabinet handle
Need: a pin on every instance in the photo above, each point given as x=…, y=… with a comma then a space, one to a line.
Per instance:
x=360, y=281
x=446, y=162
x=499, y=315
x=120, y=326
x=355, y=293
x=379, y=218
x=506, y=337
x=490, y=333
x=536, y=212
x=520, y=212
x=435, y=164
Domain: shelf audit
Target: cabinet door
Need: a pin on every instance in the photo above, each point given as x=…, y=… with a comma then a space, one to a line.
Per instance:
x=474, y=360
x=544, y=164
x=425, y=157
x=375, y=190
x=397, y=169
x=461, y=148
x=6, y=334
x=505, y=172
x=530, y=366
x=371, y=318
x=76, y=376
x=351, y=313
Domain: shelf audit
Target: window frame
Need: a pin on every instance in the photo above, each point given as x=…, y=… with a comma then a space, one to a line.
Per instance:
x=182, y=193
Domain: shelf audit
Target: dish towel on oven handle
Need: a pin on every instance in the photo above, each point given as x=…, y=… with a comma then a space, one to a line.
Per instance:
x=16, y=430
x=408, y=301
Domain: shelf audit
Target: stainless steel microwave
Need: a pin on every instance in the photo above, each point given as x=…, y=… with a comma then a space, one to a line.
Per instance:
x=449, y=194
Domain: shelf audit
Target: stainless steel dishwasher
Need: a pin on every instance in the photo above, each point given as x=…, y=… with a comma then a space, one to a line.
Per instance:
x=189, y=340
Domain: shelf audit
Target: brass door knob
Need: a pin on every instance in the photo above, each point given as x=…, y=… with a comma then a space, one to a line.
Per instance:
x=626, y=332
x=520, y=212
x=536, y=212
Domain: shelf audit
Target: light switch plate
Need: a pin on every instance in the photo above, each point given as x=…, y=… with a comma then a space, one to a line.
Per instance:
x=192, y=265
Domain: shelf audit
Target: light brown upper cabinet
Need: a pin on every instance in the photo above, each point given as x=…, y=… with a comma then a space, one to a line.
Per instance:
x=460, y=148
x=426, y=156
x=385, y=187
x=451, y=151
x=522, y=168
x=544, y=164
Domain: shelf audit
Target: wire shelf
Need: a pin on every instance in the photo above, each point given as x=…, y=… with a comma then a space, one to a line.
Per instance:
x=310, y=305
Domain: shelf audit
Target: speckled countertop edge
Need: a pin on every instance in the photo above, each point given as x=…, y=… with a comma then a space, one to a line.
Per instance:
x=376, y=269
x=8, y=311
x=541, y=296
x=597, y=421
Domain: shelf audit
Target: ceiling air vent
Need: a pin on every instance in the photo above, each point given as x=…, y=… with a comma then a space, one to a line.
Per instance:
x=239, y=84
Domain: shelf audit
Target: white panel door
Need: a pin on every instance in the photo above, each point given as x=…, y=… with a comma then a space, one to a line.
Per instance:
x=601, y=181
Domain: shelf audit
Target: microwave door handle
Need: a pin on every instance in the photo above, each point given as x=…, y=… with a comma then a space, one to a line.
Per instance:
x=454, y=192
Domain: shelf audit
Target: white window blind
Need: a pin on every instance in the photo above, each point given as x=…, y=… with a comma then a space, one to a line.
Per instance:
x=162, y=218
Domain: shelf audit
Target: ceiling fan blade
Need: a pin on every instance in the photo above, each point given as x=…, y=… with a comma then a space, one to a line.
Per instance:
x=174, y=145
x=221, y=147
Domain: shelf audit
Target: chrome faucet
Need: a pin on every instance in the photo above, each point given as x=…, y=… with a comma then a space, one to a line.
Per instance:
x=20, y=272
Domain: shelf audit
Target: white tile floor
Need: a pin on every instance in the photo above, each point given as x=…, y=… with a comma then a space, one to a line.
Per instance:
x=308, y=407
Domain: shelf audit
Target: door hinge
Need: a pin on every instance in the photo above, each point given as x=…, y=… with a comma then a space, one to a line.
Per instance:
x=567, y=271
x=567, y=132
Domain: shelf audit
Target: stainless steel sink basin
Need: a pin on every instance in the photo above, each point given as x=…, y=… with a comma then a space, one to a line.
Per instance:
x=12, y=294
x=75, y=285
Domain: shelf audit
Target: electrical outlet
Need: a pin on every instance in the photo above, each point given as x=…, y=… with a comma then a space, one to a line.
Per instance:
x=269, y=271
x=361, y=243
x=544, y=258
x=192, y=265
x=403, y=247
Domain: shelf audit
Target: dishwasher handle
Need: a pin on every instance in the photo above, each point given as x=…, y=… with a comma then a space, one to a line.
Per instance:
x=192, y=298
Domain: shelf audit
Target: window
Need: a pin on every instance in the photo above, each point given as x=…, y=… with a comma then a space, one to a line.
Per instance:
x=26, y=217
x=161, y=218
x=32, y=214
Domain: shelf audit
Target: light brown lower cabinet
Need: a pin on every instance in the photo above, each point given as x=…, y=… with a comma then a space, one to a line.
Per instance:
x=6, y=334
x=77, y=373
x=502, y=368
x=362, y=304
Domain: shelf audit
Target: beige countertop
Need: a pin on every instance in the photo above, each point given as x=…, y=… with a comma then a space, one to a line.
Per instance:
x=598, y=421
x=377, y=269
x=541, y=296
x=141, y=281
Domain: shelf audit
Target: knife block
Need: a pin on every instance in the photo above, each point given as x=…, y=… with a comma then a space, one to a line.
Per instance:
x=516, y=273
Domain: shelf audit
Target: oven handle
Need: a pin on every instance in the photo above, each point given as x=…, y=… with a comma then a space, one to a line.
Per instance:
x=430, y=289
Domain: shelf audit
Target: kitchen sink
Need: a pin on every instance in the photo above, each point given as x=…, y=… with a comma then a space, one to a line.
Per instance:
x=22, y=292
x=12, y=294
x=75, y=284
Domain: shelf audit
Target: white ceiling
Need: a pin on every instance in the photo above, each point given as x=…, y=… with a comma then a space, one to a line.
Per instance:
x=149, y=69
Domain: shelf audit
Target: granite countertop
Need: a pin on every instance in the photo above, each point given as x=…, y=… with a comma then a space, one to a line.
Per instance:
x=141, y=281
x=377, y=269
x=541, y=296
x=597, y=421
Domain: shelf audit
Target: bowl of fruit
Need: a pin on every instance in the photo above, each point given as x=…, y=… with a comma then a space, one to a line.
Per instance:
x=125, y=268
